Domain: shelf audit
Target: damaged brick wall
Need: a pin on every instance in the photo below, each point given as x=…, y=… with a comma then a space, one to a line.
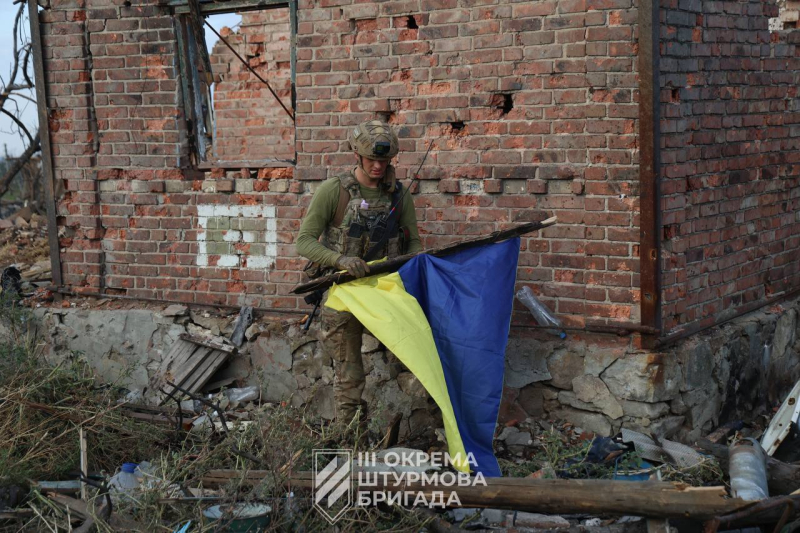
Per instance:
x=249, y=124
x=532, y=108
x=730, y=173
x=112, y=100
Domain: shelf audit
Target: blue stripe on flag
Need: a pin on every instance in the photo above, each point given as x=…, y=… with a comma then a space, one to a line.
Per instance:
x=467, y=298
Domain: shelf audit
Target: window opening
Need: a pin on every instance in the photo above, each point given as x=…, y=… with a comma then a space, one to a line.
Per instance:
x=238, y=82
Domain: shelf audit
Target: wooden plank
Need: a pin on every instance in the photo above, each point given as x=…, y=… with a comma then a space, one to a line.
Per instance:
x=200, y=370
x=208, y=7
x=197, y=359
x=44, y=138
x=187, y=133
x=186, y=369
x=199, y=341
x=179, y=350
x=177, y=356
x=84, y=461
x=202, y=378
x=196, y=27
x=181, y=357
x=191, y=384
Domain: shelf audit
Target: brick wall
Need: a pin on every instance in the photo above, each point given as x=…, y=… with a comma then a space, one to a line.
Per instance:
x=532, y=107
x=250, y=124
x=729, y=142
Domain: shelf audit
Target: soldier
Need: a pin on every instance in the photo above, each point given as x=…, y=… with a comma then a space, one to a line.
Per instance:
x=348, y=212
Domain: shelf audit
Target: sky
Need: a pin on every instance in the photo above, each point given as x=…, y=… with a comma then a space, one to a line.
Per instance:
x=10, y=138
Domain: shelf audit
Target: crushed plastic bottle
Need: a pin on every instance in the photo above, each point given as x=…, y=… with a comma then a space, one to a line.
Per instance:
x=246, y=394
x=541, y=313
x=124, y=482
x=192, y=405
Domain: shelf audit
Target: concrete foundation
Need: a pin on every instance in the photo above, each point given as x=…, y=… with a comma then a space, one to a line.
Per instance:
x=598, y=382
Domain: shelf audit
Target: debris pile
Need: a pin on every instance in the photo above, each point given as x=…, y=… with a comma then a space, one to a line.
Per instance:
x=24, y=247
x=203, y=454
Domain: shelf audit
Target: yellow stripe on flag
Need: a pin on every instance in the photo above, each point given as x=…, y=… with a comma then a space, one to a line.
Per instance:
x=395, y=318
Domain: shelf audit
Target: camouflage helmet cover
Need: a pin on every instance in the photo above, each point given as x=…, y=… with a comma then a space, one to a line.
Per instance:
x=375, y=140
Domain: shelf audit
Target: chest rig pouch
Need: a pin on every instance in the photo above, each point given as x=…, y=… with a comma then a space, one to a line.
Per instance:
x=357, y=225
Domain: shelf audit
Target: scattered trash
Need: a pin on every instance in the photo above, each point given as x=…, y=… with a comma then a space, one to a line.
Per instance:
x=541, y=313
x=63, y=487
x=748, y=470
x=184, y=528
x=663, y=451
x=124, y=482
x=239, y=396
x=781, y=423
x=643, y=472
x=240, y=516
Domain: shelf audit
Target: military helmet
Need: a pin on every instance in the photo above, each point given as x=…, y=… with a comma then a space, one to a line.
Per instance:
x=375, y=140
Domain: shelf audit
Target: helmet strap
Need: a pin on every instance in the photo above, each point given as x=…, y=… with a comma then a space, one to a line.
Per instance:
x=361, y=164
x=386, y=184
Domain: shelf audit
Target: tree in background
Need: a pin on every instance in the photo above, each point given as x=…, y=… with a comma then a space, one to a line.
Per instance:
x=13, y=90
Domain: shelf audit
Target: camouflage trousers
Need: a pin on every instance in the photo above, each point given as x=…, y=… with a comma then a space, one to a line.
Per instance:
x=341, y=340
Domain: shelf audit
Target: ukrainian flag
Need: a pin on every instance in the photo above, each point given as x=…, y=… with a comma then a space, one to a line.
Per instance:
x=447, y=319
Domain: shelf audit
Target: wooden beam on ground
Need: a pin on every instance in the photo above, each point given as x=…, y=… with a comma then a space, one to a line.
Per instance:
x=652, y=499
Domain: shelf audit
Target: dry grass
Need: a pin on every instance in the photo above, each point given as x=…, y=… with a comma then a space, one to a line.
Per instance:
x=42, y=407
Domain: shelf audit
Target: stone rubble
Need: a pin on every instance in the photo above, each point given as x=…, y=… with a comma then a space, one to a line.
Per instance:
x=733, y=372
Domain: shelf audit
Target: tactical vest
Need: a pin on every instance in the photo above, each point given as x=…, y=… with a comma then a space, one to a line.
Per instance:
x=340, y=236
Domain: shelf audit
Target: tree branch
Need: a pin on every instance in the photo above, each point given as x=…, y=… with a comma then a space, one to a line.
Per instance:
x=28, y=98
x=19, y=123
x=25, y=62
x=16, y=166
x=11, y=84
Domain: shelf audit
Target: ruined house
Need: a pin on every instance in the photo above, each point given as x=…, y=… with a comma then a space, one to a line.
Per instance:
x=665, y=140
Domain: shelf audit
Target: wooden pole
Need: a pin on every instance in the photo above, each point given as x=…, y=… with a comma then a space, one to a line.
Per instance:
x=44, y=137
x=84, y=462
x=392, y=265
x=652, y=499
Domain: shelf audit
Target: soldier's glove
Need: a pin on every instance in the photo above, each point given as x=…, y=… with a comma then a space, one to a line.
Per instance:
x=355, y=266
